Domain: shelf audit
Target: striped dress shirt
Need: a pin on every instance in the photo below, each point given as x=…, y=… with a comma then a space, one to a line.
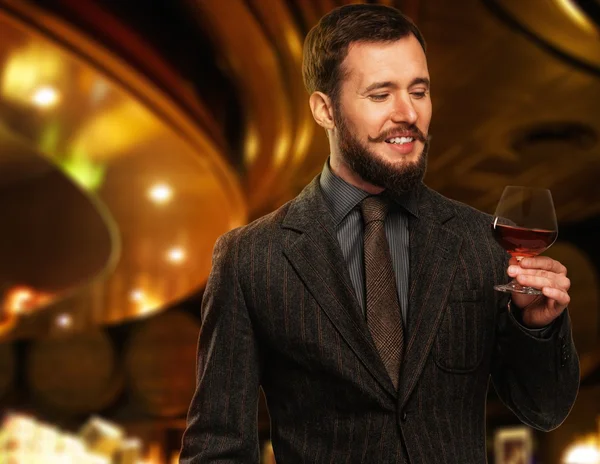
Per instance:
x=343, y=200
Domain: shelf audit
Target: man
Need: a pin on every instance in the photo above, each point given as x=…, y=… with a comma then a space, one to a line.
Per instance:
x=365, y=307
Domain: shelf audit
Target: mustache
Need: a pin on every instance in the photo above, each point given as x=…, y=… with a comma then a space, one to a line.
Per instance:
x=401, y=131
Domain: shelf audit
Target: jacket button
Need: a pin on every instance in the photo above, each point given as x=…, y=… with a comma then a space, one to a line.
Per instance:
x=404, y=417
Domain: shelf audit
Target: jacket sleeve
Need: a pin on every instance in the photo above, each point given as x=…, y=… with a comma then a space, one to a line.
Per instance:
x=536, y=378
x=222, y=418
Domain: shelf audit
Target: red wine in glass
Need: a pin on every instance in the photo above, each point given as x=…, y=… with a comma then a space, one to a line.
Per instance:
x=525, y=226
x=523, y=243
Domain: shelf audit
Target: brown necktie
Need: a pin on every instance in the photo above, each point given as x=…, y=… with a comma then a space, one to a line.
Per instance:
x=384, y=317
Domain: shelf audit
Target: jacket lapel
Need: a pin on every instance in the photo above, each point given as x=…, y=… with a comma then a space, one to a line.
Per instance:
x=434, y=251
x=317, y=258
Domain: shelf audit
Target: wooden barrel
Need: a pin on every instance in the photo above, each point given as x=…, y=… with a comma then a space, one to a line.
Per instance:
x=74, y=374
x=161, y=363
x=7, y=368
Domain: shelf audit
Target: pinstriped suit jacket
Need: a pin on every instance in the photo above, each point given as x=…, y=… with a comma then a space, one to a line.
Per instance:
x=279, y=311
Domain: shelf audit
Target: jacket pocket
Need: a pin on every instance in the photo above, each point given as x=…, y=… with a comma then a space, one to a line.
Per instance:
x=460, y=339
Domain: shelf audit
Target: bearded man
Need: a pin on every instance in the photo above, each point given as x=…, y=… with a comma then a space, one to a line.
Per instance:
x=365, y=307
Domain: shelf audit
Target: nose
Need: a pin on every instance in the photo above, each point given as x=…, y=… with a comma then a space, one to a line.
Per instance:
x=404, y=111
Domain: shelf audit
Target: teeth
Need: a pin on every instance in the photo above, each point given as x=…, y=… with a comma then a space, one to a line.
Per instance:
x=401, y=140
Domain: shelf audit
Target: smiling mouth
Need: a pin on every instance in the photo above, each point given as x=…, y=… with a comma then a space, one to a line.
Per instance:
x=400, y=140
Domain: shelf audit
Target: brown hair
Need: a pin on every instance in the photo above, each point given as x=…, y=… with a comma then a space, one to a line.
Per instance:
x=326, y=45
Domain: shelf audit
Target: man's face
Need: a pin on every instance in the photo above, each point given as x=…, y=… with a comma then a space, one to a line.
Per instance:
x=383, y=113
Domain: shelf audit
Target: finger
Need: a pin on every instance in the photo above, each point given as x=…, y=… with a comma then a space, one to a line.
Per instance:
x=517, y=270
x=525, y=301
x=560, y=280
x=538, y=281
x=544, y=263
x=534, y=281
x=561, y=297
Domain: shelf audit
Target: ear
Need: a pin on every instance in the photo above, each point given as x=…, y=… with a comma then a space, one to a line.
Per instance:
x=322, y=110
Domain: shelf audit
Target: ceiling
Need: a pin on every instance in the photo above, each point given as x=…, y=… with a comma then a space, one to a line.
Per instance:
x=113, y=195
x=509, y=112
x=55, y=236
x=179, y=120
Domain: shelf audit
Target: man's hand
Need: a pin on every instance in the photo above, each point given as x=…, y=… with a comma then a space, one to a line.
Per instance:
x=550, y=277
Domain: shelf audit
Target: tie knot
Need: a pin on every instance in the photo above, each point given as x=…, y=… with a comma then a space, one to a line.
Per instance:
x=374, y=208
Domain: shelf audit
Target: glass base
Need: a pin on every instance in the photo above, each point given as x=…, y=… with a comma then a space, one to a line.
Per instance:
x=514, y=286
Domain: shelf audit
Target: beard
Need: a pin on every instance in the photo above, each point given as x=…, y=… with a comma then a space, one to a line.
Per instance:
x=396, y=180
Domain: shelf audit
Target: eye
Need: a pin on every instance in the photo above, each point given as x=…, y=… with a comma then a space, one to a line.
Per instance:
x=379, y=97
x=420, y=94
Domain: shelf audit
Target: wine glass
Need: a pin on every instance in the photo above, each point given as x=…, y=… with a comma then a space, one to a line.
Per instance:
x=525, y=226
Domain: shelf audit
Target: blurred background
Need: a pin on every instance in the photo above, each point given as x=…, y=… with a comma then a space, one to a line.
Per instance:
x=133, y=133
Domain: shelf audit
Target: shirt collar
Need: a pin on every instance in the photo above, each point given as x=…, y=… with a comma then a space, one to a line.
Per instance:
x=342, y=197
